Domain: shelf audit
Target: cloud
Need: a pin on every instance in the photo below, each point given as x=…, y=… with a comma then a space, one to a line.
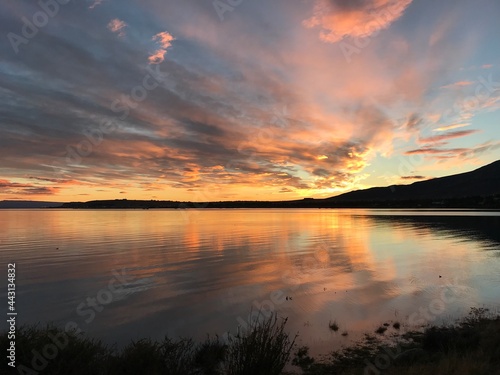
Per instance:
x=214, y=124
x=95, y=3
x=117, y=26
x=450, y=127
x=417, y=177
x=433, y=151
x=487, y=66
x=457, y=153
x=16, y=188
x=487, y=147
x=458, y=85
x=414, y=121
x=447, y=136
x=338, y=19
x=164, y=39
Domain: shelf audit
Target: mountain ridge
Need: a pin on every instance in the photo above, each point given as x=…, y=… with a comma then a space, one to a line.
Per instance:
x=483, y=181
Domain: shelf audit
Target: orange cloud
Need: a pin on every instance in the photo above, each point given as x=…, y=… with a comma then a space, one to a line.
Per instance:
x=430, y=150
x=18, y=188
x=450, y=127
x=458, y=84
x=445, y=137
x=164, y=39
x=338, y=19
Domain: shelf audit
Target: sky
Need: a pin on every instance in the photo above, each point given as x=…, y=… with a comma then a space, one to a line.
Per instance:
x=208, y=100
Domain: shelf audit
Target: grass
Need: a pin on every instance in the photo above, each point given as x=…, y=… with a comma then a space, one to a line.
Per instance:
x=264, y=349
x=471, y=346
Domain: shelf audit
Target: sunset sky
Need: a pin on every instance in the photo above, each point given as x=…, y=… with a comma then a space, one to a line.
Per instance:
x=243, y=99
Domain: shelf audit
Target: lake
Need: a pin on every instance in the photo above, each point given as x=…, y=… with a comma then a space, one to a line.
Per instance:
x=128, y=274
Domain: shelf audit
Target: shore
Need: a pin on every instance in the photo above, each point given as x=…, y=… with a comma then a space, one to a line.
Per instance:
x=469, y=346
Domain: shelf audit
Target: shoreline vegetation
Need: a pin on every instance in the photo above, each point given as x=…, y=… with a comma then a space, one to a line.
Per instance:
x=478, y=202
x=469, y=346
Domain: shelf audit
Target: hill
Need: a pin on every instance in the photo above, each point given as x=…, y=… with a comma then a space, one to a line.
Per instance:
x=482, y=182
x=29, y=204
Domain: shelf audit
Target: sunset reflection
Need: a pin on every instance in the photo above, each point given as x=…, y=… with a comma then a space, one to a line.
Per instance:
x=192, y=269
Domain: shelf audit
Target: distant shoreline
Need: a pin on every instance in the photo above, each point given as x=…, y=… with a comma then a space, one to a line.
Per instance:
x=472, y=203
x=488, y=203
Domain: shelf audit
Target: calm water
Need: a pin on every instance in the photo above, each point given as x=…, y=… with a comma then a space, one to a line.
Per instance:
x=191, y=272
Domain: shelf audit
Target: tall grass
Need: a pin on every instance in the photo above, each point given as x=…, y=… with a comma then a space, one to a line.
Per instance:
x=471, y=347
x=264, y=349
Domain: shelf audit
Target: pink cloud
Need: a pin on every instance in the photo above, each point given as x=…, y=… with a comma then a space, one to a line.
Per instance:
x=117, y=26
x=338, y=18
x=164, y=39
x=458, y=84
x=447, y=136
x=431, y=150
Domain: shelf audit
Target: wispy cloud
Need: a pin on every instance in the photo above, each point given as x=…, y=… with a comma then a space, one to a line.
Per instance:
x=414, y=121
x=458, y=85
x=16, y=188
x=415, y=177
x=95, y=4
x=450, y=127
x=432, y=151
x=447, y=136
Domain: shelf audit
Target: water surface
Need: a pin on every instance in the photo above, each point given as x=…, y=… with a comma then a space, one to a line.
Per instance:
x=193, y=272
